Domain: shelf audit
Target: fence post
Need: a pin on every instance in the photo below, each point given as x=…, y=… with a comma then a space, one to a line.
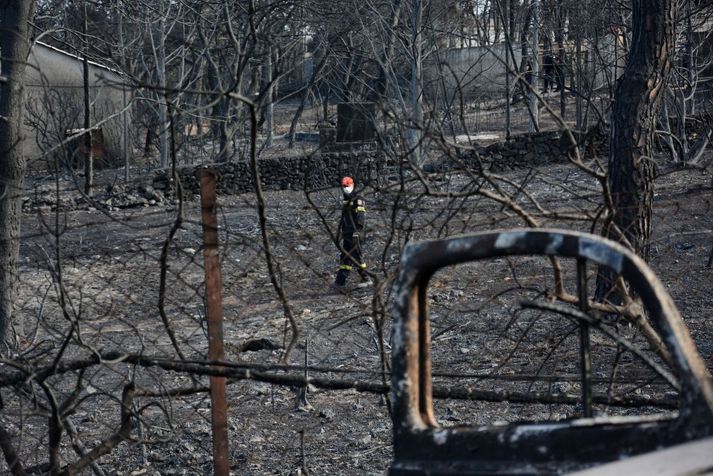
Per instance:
x=214, y=311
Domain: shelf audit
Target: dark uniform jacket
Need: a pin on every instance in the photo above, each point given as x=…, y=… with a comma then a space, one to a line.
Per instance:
x=353, y=209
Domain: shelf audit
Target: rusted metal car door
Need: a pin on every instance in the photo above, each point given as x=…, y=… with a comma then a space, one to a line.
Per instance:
x=422, y=446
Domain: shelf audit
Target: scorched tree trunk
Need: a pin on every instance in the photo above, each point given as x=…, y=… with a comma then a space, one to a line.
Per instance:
x=636, y=104
x=15, y=44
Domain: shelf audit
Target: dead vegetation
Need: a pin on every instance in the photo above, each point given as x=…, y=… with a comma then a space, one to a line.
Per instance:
x=99, y=275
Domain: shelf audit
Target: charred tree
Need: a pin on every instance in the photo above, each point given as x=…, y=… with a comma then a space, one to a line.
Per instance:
x=15, y=43
x=635, y=111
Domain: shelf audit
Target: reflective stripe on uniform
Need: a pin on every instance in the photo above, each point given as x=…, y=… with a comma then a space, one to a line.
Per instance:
x=362, y=266
x=360, y=209
x=345, y=267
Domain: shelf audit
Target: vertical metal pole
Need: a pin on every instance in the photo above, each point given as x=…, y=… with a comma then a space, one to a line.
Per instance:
x=214, y=311
x=584, y=347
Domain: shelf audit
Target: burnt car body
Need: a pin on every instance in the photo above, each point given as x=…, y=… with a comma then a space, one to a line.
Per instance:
x=422, y=446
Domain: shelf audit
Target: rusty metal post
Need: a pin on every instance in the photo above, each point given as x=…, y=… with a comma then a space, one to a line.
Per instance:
x=214, y=311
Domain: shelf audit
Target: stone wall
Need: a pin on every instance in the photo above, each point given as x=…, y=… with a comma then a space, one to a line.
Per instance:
x=325, y=170
x=526, y=150
x=280, y=173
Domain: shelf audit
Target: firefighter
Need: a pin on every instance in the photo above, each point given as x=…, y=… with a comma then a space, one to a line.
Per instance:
x=351, y=226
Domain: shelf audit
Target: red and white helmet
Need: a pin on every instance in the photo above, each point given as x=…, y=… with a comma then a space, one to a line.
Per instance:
x=347, y=182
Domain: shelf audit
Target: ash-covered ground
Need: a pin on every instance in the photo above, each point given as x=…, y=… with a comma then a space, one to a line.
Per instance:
x=94, y=271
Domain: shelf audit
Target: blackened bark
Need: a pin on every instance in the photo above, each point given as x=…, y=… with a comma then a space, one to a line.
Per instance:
x=15, y=43
x=636, y=104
